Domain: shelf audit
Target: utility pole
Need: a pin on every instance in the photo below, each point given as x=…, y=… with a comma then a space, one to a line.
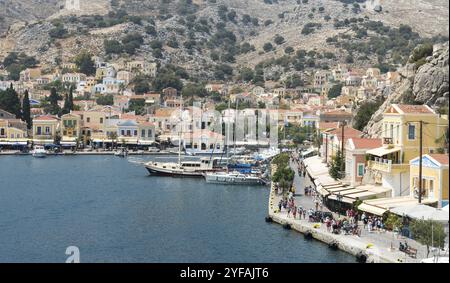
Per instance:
x=342, y=150
x=420, y=161
x=326, y=148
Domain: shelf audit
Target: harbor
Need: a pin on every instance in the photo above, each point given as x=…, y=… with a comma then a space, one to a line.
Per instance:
x=117, y=212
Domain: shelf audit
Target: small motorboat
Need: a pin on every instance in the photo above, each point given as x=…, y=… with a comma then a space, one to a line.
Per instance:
x=122, y=152
x=39, y=151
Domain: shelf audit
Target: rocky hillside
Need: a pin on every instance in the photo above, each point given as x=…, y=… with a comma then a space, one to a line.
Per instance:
x=426, y=84
x=208, y=37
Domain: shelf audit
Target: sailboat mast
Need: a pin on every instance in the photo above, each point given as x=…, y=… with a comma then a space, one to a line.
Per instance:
x=181, y=129
x=235, y=126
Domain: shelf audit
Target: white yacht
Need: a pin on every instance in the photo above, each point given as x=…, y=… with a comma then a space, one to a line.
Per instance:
x=233, y=178
x=39, y=151
x=182, y=168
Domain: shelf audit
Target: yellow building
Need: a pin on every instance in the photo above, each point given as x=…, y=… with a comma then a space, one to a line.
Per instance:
x=434, y=178
x=45, y=129
x=13, y=132
x=70, y=129
x=389, y=164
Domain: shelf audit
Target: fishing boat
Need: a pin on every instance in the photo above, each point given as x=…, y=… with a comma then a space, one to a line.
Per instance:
x=232, y=178
x=39, y=151
x=183, y=168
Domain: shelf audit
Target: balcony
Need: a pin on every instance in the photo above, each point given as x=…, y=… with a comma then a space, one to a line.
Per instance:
x=387, y=166
x=381, y=164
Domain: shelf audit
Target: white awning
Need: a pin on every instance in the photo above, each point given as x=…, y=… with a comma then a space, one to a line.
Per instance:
x=322, y=191
x=13, y=143
x=382, y=151
x=43, y=141
x=343, y=199
x=372, y=209
x=66, y=143
x=145, y=142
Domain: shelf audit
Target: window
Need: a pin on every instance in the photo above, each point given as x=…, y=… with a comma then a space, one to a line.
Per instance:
x=135, y=132
x=411, y=132
x=101, y=120
x=431, y=186
x=149, y=133
x=360, y=169
x=142, y=133
x=47, y=130
x=2, y=132
x=88, y=119
x=122, y=132
x=397, y=134
x=128, y=133
x=39, y=130
x=392, y=131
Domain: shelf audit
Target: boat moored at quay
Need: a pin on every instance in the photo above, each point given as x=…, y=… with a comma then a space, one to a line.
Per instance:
x=183, y=168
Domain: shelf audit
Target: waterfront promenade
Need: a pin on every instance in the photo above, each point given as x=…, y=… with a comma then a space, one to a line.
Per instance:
x=376, y=246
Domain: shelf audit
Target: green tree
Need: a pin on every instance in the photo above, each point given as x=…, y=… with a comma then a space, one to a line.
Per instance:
x=105, y=100
x=337, y=169
x=428, y=232
x=53, y=108
x=191, y=90
x=278, y=39
x=9, y=101
x=246, y=74
x=141, y=86
x=335, y=91
x=365, y=112
x=85, y=63
x=268, y=47
x=26, y=114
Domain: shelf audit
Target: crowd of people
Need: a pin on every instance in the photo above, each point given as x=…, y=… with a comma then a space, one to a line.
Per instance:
x=347, y=225
x=373, y=223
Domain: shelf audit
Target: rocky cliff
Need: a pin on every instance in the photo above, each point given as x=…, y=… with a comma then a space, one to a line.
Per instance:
x=427, y=84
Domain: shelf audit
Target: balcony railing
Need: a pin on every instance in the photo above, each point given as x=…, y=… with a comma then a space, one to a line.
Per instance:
x=388, y=141
x=381, y=164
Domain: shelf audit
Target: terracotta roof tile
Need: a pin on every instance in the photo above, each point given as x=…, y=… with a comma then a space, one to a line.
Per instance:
x=414, y=108
x=363, y=143
x=45, y=118
x=441, y=158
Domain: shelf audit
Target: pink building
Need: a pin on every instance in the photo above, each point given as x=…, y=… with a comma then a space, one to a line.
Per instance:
x=355, y=158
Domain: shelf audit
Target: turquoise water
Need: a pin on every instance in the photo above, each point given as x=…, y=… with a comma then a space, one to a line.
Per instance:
x=113, y=211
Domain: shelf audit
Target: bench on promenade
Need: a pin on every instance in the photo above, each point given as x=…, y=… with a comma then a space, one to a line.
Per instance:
x=412, y=252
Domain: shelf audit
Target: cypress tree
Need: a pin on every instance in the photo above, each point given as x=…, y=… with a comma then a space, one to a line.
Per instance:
x=26, y=113
x=9, y=101
x=53, y=98
x=68, y=102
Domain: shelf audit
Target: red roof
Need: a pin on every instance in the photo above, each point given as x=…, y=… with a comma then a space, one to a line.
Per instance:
x=410, y=109
x=349, y=132
x=328, y=125
x=45, y=118
x=338, y=112
x=441, y=158
x=363, y=143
